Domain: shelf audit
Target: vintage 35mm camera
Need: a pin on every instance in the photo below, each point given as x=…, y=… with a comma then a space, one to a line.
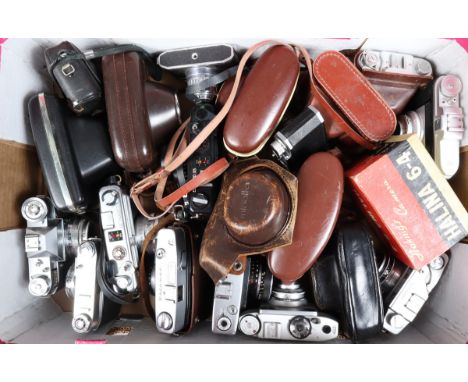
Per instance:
x=90, y=307
x=239, y=291
x=119, y=238
x=406, y=290
x=289, y=325
x=436, y=117
x=201, y=67
x=172, y=280
x=51, y=243
x=288, y=316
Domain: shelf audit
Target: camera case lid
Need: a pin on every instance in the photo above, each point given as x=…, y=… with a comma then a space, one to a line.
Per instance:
x=255, y=213
x=321, y=184
x=346, y=281
x=141, y=112
x=262, y=101
x=353, y=110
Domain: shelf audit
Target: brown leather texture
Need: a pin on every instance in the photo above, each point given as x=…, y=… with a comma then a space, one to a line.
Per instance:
x=321, y=184
x=254, y=191
x=140, y=113
x=240, y=212
x=262, y=101
x=357, y=101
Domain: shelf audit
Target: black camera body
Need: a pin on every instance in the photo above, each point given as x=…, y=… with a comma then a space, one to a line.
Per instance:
x=76, y=77
x=200, y=202
x=74, y=152
x=201, y=67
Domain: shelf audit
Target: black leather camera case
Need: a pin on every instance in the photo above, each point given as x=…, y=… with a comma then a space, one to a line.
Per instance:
x=74, y=152
x=346, y=282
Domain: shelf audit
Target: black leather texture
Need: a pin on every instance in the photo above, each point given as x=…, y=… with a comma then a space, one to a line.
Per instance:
x=346, y=282
x=74, y=152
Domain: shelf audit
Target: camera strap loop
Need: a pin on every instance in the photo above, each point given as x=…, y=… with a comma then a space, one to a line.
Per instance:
x=176, y=157
x=206, y=176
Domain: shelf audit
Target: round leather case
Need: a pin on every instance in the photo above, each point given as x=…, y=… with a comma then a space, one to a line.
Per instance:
x=255, y=213
x=346, y=282
x=262, y=101
x=321, y=184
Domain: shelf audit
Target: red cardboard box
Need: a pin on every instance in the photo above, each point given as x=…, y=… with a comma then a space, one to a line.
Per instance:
x=404, y=193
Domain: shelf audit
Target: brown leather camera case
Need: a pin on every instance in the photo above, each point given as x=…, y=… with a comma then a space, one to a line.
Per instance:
x=321, y=185
x=141, y=113
x=255, y=213
x=262, y=101
x=353, y=110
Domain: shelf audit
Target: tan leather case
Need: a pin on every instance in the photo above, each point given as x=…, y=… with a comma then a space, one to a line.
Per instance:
x=353, y=110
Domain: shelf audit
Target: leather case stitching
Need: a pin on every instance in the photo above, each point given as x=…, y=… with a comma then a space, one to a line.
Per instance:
x=340, y=102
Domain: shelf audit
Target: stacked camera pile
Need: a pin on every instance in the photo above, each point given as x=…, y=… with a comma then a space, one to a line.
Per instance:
x=210, y=183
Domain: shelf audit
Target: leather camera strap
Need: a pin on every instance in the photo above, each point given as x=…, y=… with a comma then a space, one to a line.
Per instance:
x=217, y=168
x=144, y=287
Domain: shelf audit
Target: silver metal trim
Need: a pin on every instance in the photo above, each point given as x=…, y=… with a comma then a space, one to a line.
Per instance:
x=55, y=155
